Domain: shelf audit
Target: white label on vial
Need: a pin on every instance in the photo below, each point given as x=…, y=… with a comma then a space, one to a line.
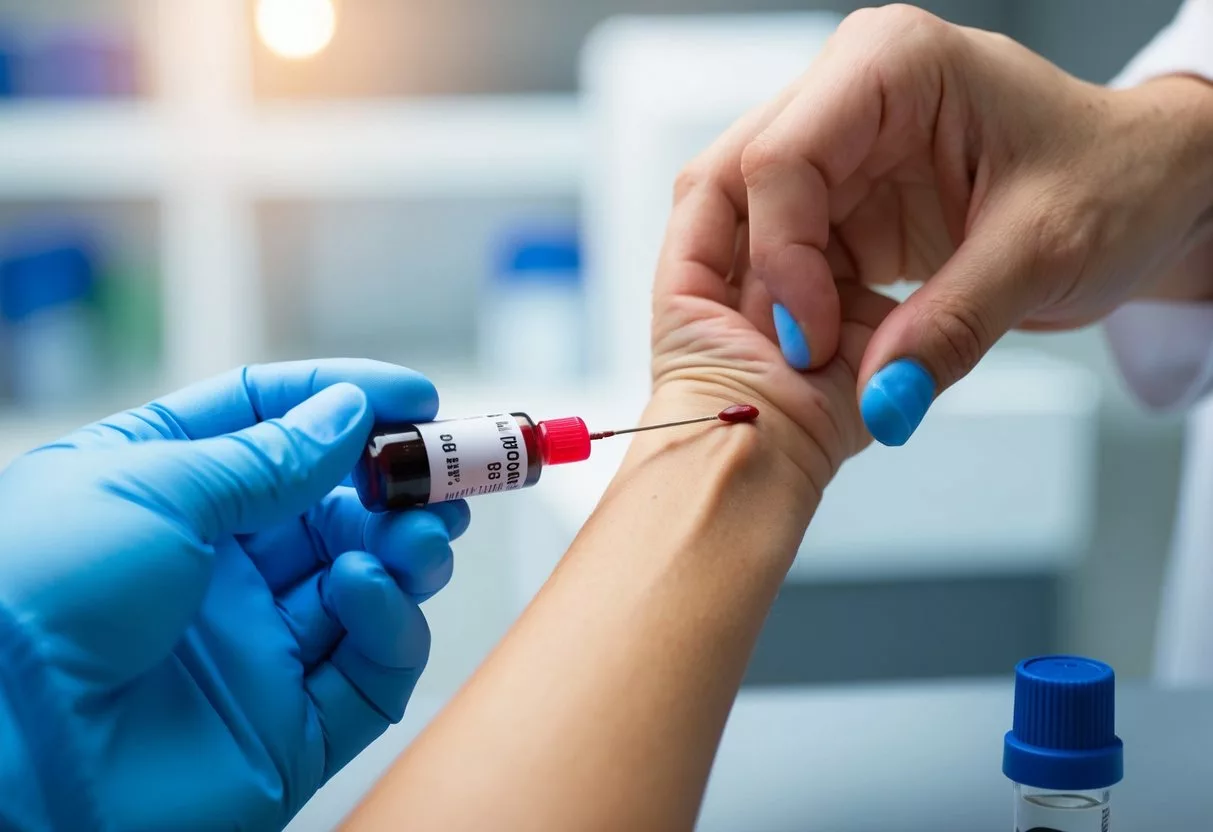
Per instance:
x=469, y=457
x=1036, y=815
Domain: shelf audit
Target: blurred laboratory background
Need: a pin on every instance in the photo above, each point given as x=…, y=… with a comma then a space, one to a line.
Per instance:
x=476, y=188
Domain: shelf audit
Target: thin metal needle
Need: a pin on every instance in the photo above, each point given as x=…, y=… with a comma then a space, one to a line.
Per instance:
x=609, y=433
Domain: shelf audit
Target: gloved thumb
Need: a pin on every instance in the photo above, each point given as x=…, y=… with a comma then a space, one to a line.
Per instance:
x=940, y=333
x=245, y=481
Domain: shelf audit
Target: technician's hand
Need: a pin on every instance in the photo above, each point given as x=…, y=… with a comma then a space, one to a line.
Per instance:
x=212, y=627
x=714, y=344
x=915, y=149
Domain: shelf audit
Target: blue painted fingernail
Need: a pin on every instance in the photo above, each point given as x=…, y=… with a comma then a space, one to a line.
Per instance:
x=791, y=338
x=895, y=401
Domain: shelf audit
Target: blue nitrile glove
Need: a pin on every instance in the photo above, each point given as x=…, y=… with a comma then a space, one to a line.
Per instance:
x=197, y=627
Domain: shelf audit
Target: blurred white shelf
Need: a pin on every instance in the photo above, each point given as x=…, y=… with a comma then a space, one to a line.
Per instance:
x=82, y=150
x=458, y=146
x=487, y=146
x=206, y=151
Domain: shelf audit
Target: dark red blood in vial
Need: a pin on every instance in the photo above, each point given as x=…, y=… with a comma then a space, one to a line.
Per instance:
x=738, y=413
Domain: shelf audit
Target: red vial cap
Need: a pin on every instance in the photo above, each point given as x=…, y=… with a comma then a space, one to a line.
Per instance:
x=564, y=440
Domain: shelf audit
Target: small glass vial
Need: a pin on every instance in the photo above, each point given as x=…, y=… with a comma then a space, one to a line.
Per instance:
x=1037, y=810
x=411, y=465
x=1063, y=754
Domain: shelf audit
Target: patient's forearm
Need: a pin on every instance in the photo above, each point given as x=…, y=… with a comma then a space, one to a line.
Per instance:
x=603, y=707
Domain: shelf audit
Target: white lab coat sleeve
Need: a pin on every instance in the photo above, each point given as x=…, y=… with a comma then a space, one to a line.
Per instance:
x=1165, y=350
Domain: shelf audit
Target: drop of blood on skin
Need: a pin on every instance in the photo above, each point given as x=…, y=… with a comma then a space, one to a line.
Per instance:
x=738, y=413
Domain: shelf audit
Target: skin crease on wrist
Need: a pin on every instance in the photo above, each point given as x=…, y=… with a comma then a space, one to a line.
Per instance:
x=784, y=444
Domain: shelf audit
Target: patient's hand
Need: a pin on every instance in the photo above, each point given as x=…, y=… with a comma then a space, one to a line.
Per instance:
x=714, y=343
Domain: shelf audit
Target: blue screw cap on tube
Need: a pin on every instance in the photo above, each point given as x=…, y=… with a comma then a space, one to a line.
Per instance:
x=1064, y=736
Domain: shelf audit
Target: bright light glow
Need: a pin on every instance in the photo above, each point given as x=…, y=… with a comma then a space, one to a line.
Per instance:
x=296, y=29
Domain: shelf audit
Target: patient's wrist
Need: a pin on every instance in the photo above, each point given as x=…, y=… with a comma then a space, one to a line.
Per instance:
x=773, y=443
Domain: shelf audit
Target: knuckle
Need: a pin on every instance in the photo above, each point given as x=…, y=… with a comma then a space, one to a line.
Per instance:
x=688, y=179
x=1067, y=238
x=298, y=451
x=960, y=336
x=895, y=18
x=1063, y=237
x=276, y=460
x=903, y=17
x=852, y=27
x=999, y=40
x=862, y=21
x=898, y=43
x=760, y=156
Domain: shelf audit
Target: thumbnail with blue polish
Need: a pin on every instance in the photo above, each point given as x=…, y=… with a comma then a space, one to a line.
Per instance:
x=791, y=338
x=896, y=400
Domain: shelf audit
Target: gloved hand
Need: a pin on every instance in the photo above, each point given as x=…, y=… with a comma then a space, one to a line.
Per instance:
x=198, y=627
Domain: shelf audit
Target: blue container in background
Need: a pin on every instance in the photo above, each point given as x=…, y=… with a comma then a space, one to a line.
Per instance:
x=532, y=313
x=68, y=61
x=9, y=55
x=78, y=63
x=46, y=288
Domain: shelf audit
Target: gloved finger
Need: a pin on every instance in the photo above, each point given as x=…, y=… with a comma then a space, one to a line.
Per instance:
x=455, y=515
x=340, y=522
x=316, y=630
x=367, y=682
x=355, y=591
x=415, y=548
x=261, y=476
x=242, y=398
x=380, y=621
x=356, y=700
x=993, y=281
x=411, y=545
